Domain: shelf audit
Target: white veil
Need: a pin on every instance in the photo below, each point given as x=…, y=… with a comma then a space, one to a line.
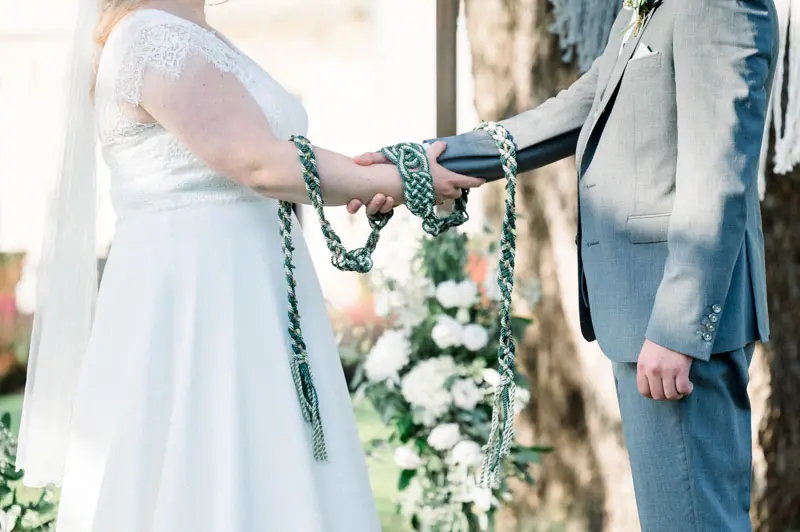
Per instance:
x=67, y=273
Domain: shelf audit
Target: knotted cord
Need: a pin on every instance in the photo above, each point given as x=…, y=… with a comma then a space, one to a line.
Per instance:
x=420, y=198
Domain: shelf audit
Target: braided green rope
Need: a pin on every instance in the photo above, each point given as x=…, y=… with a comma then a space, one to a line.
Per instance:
x=300, y=365
x=420, y=197
x=501, y=435
x=359, y=260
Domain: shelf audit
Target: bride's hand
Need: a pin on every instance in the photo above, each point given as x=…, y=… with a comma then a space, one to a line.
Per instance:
x=448, y=184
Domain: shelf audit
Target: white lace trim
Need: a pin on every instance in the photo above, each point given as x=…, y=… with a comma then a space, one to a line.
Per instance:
x=166, y=45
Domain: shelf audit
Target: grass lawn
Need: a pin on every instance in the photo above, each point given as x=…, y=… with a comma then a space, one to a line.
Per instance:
x=383, y=473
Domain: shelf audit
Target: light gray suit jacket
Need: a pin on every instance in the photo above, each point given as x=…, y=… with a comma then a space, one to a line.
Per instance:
x=670, y=244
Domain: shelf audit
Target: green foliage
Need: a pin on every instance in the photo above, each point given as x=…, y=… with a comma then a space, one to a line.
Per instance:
x=19, y=513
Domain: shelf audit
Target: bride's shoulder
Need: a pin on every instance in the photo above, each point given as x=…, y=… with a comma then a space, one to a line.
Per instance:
x=154, y=27
x=149, y=37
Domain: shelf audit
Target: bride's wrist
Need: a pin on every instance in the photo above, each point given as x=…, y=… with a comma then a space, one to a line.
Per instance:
x=389, y=181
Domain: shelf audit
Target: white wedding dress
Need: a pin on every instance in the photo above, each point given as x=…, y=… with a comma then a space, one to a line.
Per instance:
x=186, y=418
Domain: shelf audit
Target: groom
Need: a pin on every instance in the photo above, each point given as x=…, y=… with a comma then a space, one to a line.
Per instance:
x=667, y=127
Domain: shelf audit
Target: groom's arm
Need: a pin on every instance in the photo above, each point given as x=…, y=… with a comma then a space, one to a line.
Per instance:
x=543, y=135
x=725, y=53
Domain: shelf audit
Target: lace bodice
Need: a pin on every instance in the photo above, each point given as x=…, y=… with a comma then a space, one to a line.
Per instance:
x=150, y=168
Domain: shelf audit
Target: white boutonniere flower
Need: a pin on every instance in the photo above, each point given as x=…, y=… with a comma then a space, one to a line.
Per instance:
x=642, y=8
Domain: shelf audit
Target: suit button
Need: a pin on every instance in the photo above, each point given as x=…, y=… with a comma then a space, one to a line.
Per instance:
x=707, y=337
x=716, y=309
x=713, y=317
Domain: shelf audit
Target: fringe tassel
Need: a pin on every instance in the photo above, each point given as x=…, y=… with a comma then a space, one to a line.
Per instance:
x=785, y=124
x=583, y=27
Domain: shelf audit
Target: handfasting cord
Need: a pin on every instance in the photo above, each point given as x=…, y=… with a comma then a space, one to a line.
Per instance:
x=420, y=198
x=501, y=435
x=420, y=195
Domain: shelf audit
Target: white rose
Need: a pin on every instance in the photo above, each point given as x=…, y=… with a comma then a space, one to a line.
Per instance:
x=447, y=292
x=467, y=293
x=444, y=437
x=467, y=453
x=492, y=377
x=521, y=399
x=405, y=458
x=466, y=395
x=447, y=332
x=4, y=522
x=474, y=337
x=389, y=355
x=424, y=385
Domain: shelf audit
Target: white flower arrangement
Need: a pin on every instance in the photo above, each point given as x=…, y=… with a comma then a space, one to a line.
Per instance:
x=432, y=376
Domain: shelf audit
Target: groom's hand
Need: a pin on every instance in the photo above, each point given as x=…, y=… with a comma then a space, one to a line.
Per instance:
x=448, y=184
x=663, y=373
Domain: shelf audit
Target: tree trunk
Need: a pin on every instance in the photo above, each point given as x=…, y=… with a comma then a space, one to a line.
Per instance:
x=585, y=484
x=776, y=497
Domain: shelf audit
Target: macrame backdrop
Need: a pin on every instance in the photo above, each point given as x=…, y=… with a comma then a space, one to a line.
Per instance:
x=583, y=26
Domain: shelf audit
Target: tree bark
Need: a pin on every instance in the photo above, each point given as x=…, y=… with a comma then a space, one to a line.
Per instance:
x=585, y=484
x=776, y=377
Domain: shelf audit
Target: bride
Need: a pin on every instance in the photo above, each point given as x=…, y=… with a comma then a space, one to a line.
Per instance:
x=177, y=412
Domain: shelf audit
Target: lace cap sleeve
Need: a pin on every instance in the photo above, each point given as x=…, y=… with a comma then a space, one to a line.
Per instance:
x=154, y=42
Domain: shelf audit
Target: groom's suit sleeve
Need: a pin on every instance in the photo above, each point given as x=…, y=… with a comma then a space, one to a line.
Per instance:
x=544, y=135
x=724, y=61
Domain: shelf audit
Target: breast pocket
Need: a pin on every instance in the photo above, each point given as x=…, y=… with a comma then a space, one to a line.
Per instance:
x=640, y=64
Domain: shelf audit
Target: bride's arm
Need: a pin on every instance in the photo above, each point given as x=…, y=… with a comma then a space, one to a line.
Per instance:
x=213, y=114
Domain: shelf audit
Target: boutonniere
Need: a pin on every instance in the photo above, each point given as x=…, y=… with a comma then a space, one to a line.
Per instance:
x=642, y=8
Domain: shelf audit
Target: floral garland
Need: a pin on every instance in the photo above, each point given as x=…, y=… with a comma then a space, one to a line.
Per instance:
x=432, y=375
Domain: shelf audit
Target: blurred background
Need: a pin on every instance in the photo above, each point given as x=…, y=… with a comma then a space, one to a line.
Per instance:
x=347, y=60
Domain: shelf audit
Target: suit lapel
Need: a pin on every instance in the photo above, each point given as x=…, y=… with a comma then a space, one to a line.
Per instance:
x=614, y=79
x=619, y=68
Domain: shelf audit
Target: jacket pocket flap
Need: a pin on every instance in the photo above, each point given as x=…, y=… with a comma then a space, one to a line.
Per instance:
x=647, y=228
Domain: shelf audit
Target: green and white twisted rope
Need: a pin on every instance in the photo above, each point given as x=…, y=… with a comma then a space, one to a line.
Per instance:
x=420, y=198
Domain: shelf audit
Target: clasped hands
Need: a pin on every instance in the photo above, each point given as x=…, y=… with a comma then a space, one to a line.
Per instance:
x=662, y=374
x=448, y=185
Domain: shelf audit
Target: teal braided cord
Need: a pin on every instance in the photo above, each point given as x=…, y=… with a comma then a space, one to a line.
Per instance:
x=420, y=196
x=300, y=366
x=358, y=260
x=501, y=435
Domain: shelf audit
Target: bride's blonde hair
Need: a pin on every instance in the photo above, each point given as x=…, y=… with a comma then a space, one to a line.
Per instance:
x=109, y=15
x=111, y=12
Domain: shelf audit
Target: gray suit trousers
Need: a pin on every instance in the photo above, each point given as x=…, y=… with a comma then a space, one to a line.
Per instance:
x=689, y=457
